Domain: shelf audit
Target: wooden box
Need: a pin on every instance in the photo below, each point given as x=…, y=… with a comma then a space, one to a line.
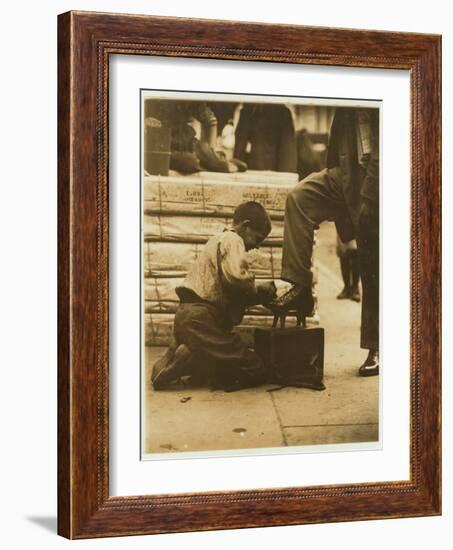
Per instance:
x=293, y=354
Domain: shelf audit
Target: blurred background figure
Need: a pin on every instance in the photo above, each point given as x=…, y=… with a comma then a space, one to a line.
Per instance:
x=266, y=138
x=185, y=135
x=350, y=270
x=310, y=156
x=227, y=139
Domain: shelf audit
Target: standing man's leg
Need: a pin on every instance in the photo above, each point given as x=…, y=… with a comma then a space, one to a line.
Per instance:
x=315, y=199
x=368, y=243
x=345, y=257
x=355, y=267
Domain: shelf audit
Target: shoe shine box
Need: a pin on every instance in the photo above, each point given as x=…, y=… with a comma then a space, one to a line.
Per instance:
x=294, y=354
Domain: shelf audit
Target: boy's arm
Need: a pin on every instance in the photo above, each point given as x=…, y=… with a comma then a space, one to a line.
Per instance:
x=237, y=275
x=235, y=269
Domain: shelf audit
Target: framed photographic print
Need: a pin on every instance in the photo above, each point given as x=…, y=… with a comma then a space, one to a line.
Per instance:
x=249, y=275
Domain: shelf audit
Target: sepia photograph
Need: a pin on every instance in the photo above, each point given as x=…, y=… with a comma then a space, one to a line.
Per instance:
x=260, y=277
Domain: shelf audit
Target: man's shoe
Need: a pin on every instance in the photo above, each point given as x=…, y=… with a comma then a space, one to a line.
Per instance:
x=170, y=367
x=344, y=294
x=371, y=365
x=355, y=295
x=297, y=298
x=369, y=370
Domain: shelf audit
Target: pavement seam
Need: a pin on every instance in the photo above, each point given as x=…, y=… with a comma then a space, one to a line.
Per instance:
x=330, y=425
x=282, y=429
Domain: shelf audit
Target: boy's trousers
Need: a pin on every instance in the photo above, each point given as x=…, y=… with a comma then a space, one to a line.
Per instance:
x=216, y=350
x=318, y=198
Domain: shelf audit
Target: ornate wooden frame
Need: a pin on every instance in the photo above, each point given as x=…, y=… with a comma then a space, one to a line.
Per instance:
x=85, y=41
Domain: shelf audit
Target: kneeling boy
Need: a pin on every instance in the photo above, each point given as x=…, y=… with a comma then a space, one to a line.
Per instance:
x=217, y=289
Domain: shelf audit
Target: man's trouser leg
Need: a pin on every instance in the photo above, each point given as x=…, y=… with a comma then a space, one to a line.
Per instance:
x=315, y=199
x=368, y=246
x=222, y=353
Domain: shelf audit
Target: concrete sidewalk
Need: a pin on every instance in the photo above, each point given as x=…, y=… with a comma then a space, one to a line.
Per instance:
x=347, y=411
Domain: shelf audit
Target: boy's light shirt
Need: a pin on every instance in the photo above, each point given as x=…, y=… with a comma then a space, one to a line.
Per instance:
x=222, y=263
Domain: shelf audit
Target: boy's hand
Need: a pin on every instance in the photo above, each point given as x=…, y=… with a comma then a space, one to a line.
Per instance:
x=266, y=292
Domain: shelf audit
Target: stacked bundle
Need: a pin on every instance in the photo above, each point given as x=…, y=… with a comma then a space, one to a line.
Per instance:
x=180, y=214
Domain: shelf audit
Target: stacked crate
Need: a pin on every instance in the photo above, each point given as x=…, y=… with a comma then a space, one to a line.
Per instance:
x=180, y=214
